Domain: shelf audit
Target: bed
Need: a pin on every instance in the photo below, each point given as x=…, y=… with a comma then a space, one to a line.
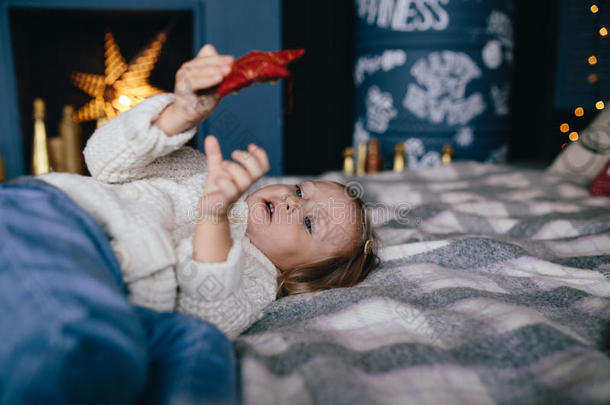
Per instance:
x=494, y=288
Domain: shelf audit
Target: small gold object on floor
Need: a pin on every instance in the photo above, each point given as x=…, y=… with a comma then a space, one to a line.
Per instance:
x=374, y=159
x=447, y=154
x=361, y=166
x=399, y=157
x=40, y=152
x=69, y=131
x=348, y=160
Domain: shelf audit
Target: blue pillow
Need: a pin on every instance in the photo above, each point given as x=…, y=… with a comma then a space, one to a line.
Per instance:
x=68, y=334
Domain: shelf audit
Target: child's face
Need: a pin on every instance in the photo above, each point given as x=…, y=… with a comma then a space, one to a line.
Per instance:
x=310, y=221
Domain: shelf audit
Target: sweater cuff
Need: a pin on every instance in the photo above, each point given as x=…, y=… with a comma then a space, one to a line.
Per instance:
x=149, y=139
x=211, y=281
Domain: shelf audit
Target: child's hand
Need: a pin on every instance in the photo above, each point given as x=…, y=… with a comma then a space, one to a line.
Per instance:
x=192, y=103
x=227, y=180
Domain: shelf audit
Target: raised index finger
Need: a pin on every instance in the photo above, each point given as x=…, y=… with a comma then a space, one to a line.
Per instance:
x=212, y=151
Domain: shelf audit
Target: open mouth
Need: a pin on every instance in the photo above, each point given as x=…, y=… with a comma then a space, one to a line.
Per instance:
x=269, y=206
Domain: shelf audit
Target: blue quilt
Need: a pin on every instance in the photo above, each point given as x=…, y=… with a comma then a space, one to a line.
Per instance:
x=68, y=333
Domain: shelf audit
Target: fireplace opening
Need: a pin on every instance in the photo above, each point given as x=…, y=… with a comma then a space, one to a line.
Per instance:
x=50, y=44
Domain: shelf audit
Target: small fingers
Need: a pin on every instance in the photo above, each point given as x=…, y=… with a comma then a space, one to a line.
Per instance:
x=249, y=162
x=194, y=80
x=239, y=175
x=260, y=154
x=220, y=60
x=212, y=151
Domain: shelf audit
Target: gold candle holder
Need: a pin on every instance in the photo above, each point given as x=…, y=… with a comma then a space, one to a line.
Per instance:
x=399, y=157
x=348, y=160
x=361, y=166
x=69, y=131
x=447, y=154
x=56, y=154
x=374, y=160
x=40, y=151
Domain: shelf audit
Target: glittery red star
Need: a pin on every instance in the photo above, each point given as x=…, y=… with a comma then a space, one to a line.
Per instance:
x=258, y=67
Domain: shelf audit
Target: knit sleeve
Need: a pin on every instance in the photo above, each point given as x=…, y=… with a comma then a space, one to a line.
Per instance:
x=230, y=294
x=121, y=150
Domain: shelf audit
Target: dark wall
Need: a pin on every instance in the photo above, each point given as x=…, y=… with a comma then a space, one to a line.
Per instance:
x=320, y=124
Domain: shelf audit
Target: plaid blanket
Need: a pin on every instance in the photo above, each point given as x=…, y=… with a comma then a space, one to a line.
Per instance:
x=494, y=288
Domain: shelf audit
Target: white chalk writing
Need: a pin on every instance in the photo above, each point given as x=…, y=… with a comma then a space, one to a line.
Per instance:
x=405, y=15
x=388, y=60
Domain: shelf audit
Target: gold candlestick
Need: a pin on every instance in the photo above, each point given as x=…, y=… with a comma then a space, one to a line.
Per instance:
x=56, y=154
x=69, y=131
x=40, y=151
x=348, y=160
x=361, y=166
x=399, y=157
x=374, y=160
x=447, y=154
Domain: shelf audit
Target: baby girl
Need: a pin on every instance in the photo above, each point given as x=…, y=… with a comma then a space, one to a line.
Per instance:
x=184, y=232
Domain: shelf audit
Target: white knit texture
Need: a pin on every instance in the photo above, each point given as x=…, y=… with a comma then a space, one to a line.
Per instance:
x=144, y=192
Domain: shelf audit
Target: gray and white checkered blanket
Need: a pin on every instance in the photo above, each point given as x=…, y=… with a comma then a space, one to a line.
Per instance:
x=494, y=289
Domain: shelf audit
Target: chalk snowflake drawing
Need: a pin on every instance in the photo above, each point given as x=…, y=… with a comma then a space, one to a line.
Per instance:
x=444, y=77
x=499, y=97
x=414, y=148
x=360, y=134
x=498, y=155
x=379, y=110
x=464, y=137
x=492, y=54
x=370, y=65
x=500, y=27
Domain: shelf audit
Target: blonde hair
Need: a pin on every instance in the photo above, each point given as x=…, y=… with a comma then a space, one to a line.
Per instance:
x=343, y=270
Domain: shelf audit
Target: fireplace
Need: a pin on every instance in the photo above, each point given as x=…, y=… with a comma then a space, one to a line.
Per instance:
x=44, y=41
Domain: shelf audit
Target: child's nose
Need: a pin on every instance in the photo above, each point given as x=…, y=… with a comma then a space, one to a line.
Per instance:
x=292, y=203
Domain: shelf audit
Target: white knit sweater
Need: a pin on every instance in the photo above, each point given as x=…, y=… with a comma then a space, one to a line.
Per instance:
x=144, y=192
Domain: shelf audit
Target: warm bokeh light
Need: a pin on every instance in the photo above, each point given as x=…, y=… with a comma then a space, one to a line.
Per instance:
x=564, y=127
x=599, y=105
x=573, y=136
x=592, y=60
x=593, y=78
x=594, y=9
x=603, y=31
x=579, y=112
x=125, y=101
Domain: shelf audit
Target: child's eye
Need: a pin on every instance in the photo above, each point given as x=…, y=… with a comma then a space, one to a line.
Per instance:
x=298, y=192
x=308, y=224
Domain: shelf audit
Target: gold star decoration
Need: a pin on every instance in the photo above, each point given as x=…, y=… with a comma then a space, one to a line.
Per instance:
x=123, y=85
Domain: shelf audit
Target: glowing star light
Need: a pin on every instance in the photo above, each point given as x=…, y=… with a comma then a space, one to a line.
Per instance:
x=123, y=85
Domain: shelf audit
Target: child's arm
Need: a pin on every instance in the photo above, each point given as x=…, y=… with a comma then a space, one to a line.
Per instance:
x=226, y=182
x=120, y=150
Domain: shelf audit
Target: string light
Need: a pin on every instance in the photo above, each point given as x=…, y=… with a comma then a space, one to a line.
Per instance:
x=591, y=78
